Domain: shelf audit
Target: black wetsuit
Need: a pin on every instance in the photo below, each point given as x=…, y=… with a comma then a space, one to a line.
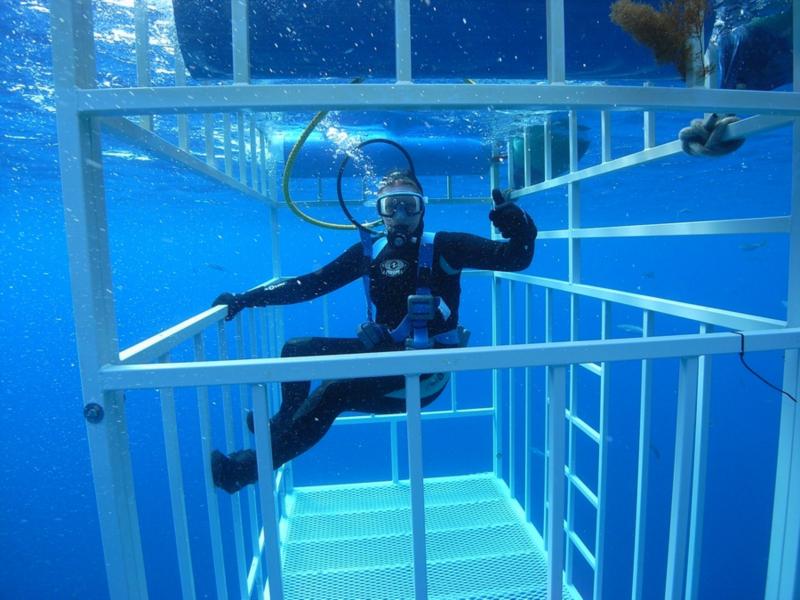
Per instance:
x=304, y=419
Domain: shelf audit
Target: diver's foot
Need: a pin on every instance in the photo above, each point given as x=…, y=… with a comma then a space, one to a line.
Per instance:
x=232, y=473
x=250, y=423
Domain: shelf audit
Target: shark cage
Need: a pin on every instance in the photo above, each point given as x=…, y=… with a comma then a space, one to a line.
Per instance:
x=537, y=389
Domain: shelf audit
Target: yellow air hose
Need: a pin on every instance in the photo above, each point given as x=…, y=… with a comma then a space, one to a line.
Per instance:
x=287, y=173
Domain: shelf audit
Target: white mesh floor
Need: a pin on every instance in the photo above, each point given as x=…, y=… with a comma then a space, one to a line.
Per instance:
x=354, y=542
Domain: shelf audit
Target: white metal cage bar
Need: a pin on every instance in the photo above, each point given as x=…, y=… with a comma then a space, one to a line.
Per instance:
x=783, y=573
x=230, y=446
x=215, y=527
x=176, y=489
x=677, y=555
x=267, y=492
x=80, y=161
x=643, y=470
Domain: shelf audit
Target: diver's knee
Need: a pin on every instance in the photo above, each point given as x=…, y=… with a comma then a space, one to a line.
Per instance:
x=432, y=387
x=300, y=346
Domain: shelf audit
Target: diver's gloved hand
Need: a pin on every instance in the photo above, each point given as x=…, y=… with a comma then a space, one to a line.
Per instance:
x=235, y=303
x=373, y=335
x=704, y=138
x=509, y=218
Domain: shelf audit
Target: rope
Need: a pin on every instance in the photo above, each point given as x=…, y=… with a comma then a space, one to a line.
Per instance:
x=287, y=174
x=746, y=366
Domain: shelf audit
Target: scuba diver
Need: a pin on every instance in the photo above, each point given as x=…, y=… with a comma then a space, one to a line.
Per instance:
x=414, y=282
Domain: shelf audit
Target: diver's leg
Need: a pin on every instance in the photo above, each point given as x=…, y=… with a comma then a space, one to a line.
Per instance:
x=309, y=424
x=391, y=397
x=294, y=393
x=238, y=469
x=232, y=473
x=376, y=395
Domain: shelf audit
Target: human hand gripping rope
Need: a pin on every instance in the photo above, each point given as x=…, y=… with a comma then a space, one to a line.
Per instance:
x=705, y=137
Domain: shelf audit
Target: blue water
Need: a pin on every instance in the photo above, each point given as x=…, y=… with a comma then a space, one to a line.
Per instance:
x=178, y=240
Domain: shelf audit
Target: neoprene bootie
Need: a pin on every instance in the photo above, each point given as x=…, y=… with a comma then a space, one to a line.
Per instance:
x=232, y=473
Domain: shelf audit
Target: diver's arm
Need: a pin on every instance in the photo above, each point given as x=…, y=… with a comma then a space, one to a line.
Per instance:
x=467, y=251
x=342, y=270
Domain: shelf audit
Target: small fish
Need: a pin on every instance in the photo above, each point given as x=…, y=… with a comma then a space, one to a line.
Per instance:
x=655, y=451
x=649, y=274
x=216, y=267
x=628, y=328
x=750, y=247
x=785, y=303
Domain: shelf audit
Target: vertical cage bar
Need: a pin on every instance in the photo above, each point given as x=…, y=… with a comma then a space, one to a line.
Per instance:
x=142, y=35
x=415, y=472
x=557, y=386
x=176, y=491
x=230, y=446
x=252, y=333
x=512, y=430
x=510, y=164
x=602, y=460
x=494, y=174
x=642, y=479
x=527, y=167
x=572, y=398
x=226, y=144
x=783, y=573
x=253, y=154
x=180, y=79
x=263, y=153
x=448, y=187
x=81, y=169
x=257, y=575
x=208, y=127
x=573, y=141
x=326, y=316
x=547, y=139
x=394, y=447
x=573, y=224
x=275, y=246
x=266, y=489
x=242, y=140
x=454, y=391
x=699, y=472
x=240, y=34
x=497, y=404
x=682, y=479
x=264, y=342
x=649, y=126
x=548, y=337
x=402, y=40
x=556, y=62
x=528, y=443
x=215, y=528
x=605, y=135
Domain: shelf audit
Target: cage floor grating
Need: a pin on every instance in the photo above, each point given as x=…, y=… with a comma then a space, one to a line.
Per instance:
x=354, y=542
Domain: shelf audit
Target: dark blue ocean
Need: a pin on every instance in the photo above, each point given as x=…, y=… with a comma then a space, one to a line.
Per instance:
x=177, y=240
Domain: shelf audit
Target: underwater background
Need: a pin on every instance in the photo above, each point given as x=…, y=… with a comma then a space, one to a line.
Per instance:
x=177, y=240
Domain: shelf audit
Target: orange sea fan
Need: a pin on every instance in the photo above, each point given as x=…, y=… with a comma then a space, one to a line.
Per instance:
x=667, y=31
